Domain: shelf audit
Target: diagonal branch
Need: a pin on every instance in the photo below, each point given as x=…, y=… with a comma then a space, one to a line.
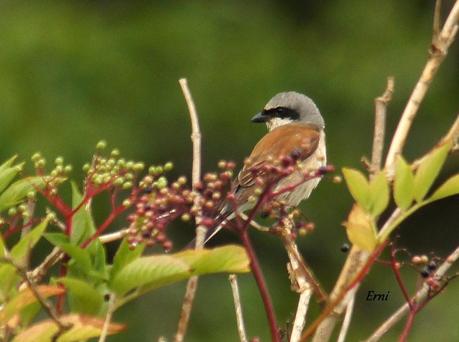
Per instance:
x=438, y=52
x=381, y=103
x=419, y=297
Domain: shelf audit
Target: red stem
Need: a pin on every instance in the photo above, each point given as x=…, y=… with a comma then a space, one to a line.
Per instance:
x=113, y=215
x=409, y=324
x=398, y=277
x=259, y=278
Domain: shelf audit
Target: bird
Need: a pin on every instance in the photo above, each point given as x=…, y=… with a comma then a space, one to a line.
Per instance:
x=295, y=126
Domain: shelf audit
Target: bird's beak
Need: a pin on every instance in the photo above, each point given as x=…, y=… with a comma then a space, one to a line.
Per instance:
x=260, y=117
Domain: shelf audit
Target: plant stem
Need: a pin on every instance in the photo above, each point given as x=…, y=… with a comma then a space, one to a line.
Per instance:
x=259, y=278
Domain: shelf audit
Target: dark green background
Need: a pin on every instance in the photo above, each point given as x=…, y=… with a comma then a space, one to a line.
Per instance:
x=73, y=72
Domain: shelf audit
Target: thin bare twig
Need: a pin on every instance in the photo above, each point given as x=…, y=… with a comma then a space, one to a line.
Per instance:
x=347, y=320
x=192, y=284
x=238, y=308
x=438, y=52
x=108, y=317
x=419, y=297
x=43, y=302
x=381, y=103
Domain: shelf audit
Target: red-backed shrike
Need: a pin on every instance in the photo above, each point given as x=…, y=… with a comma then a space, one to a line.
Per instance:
x=295, y=125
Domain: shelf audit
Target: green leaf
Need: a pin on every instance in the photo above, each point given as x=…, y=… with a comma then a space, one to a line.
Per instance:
x=428, y=170
x=3, y=249
x=9, y=280
x=360, y=229
x=80, y=257
x=20, y=251
x=358, y=186
x=8, y=163
x=448, y=188
x=83, y=224
x=403, y=184
x=7, y=175
x=124, y=255
x=379, y=194
x=16, y=192
x=151, y=272
x=56, y=239
x=25, y=298
x=231, y=259
x=154, y=271
x=82, y=328
x=83, y=298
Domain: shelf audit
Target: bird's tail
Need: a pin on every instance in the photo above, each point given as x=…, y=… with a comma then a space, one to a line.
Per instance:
x=220, y=222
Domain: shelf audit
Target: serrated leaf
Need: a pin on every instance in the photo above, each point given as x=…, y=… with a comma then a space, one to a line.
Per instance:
x=403, y=184
x=82, y=328
x=360, y=229
x=16, y=192
x=428, y=170
x=358, y=186
x=27, y=242
x=231, y=259
x=124, y=255
x=379, y=194
x=448, y=188
x=25, y=298
x=83, y=298
x=8, y=163
x=154, y=271
x=7, y=175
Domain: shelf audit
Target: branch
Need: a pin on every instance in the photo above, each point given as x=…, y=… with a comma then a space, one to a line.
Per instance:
x=192, y=284
x=108, y=317
x=419, y=297
x=380, y=125
x=438, y=52
x=43, y=302
x=238, y=308
x=347, y=320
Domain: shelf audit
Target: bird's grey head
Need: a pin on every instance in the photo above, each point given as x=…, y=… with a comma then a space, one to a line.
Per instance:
x=289, y=107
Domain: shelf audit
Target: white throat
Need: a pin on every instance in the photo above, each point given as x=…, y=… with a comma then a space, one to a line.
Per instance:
x=276, y=122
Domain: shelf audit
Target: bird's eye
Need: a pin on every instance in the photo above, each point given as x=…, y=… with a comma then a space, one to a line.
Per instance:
x=281, y=112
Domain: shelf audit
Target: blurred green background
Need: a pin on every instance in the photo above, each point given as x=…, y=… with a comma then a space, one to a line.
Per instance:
x=73, y=72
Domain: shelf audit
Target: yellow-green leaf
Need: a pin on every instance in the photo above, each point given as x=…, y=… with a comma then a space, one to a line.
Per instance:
x=428, y=170
x=379, y=194
x=360, y=229
x=403, y=184
x=82, y=328
x=231, y=259
x=22, y=248
x=7, y=175
x=83, y=298
x=448, y=188
x=16, y=192
x=151, y=272
x=154, y=271
x=8, y=163
x=358, y=186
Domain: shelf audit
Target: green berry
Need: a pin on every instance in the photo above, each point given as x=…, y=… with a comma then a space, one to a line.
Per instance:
x=168, y=166
x=101, y=145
